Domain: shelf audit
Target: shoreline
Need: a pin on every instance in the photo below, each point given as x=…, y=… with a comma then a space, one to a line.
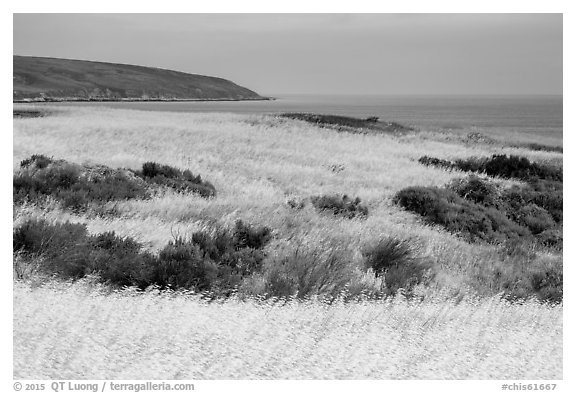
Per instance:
x=70, y=99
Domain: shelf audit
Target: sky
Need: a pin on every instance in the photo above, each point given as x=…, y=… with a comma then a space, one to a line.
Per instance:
x=319, y=53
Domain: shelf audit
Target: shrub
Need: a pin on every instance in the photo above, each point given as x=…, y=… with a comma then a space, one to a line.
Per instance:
x=457, y=215
x=182, y=264
x=345, y=123
x=520, y=168
x=215, y=261
x=41, y=238
x=69, y=251
x=77, y=186
x=248, y=236
x=183, y=181
x=551, y=238
x=476, y=190
x=541, y=277
x=395, y=260
x=535, y=218
x=546, y=194
x=433, y=161
x=340, y=205
x=500, y=165
x=39, y=160
x=540, y=147
x=73, y=185
x=304, y=273
x=120, y=261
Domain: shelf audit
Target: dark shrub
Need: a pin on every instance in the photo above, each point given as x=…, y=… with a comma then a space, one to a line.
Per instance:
x=121, y=261
x=476, y=190
x=68, y=250
x=62, y=246
x=471, y=220
x=182, y=264
x=305, y=272
x=152, y=169
x=541, y=147
x=472, y=164
x=183, y=181
x=535, y=218
x=551, y=238
x=40, y=237
x=546, y=194
x=345, y=123
x=500, y=165
x=432, y=161
x=214, y=261
x=540, y=277
x=73, y=185
x=39, y=160
x=249, y=236
x=340, y=205
x=395, y=260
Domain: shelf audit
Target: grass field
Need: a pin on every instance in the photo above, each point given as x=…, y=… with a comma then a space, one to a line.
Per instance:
x=257, y=163
x=65, y=331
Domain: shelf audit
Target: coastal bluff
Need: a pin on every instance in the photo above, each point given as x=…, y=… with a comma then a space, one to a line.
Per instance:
x=52, y=79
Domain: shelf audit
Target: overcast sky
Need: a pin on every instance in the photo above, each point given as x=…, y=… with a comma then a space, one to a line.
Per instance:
x=319, y=53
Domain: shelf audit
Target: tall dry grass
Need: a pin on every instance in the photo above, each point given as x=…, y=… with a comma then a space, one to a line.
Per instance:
x=81, y=331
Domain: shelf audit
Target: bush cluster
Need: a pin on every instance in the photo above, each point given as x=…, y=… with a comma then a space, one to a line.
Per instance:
x=340, y=205
x=535, y=207
x=305, y=272
x=73, y=185
x=522, y=277
x=522, y=218
x=500, y=165
x=540, y=147
x=471, y=220
x=215, y=261
x=66, y=249
x=396, y=261
x=76, y=186
x=346, y=123
x=477, y=190
x=168, y=176
x=547, y=195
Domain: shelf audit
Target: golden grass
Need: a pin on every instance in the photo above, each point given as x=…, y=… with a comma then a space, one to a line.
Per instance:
x=77, y=331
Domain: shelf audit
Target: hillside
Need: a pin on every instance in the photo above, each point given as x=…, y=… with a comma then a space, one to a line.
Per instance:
x=48, y=79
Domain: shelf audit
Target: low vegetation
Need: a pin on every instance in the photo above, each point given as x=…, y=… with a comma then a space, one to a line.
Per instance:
x=350, y=124
x=397, y=262
x=213, y=261
x=508, y=167
x=183, y=181
x=539, y=147
x=218, y=262
x=77, y=186
x=470, y=220
x=25, y=114
x=340, y=205
x=481, y=210
x=518, y=219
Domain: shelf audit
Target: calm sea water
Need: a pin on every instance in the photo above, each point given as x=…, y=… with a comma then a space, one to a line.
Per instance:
x=530, y=112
